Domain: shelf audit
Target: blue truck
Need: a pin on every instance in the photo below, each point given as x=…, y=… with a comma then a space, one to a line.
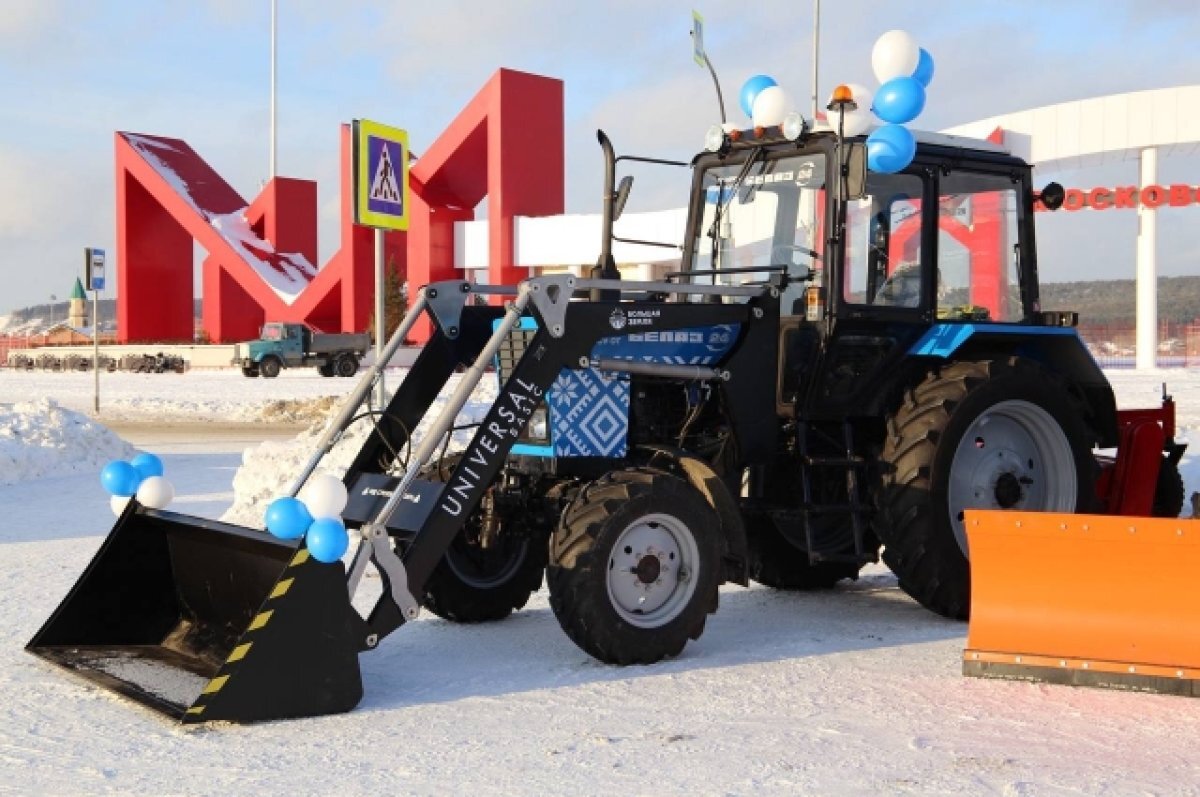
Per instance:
x=282, y=345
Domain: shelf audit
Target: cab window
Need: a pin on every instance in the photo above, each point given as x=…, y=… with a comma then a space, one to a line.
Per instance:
x=978, y=263
x=883, y=243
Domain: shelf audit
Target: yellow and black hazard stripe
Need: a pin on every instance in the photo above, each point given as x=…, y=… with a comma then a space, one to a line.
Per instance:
x=246, y=641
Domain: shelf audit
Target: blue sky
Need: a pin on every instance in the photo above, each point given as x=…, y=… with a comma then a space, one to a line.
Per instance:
x=72, y=72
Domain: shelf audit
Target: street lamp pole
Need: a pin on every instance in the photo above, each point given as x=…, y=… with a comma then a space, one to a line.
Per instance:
x=273, y=34
x=815, y=55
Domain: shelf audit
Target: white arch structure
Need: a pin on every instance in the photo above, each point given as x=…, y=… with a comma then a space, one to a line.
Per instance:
x=1071, y=135
x=1138, y=125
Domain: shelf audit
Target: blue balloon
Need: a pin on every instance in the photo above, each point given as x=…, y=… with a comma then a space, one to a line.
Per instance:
x=327, y=539
x=750, y=90
x=288, y=518
x=890, y=149
x=147, y=465
x=120, y=478
x=900, y=100
x=924, y=71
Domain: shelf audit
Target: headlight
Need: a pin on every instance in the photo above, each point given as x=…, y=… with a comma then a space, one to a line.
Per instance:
x=538, y=428
x=714, y=139
x=793, y=126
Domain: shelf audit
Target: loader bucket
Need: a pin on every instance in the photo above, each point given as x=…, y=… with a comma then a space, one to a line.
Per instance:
x=204, y=621
x=1090, y=600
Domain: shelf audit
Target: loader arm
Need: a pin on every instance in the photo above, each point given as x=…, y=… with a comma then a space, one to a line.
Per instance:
x=567, y=333
x=204, y=621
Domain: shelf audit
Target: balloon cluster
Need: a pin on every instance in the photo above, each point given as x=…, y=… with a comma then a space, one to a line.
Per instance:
x=904, y=71
x=763, y=101
x=315, y=515
x=142, y=477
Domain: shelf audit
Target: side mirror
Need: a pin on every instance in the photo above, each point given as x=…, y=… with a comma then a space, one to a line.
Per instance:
x=1052, y=196
x=622, y=196
x=856, y=169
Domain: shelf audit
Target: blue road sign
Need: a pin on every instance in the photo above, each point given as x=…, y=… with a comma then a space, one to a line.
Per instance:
x=381, y=175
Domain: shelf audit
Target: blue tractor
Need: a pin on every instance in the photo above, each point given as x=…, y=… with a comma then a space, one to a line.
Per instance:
x=841, y=363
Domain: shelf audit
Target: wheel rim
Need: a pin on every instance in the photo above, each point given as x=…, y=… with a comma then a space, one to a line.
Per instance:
x=1013, y=456
x=481, y=568
x=652, y=569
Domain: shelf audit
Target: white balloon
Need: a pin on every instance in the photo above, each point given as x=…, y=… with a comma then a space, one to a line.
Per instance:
x=770, y=106
x=863, y=96
x=325, y=496
x=859, y=120
x=895, y=54
x=155, y=492
x=118, y=503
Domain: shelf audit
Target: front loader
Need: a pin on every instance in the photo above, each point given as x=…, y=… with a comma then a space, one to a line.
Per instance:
x=841, y=362
x=206, y=621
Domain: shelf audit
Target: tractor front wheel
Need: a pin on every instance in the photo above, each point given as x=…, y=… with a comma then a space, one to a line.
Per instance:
x=474, y=584
x=487, y=574
x=634, y=567
x=776, y=563
x=994, y=434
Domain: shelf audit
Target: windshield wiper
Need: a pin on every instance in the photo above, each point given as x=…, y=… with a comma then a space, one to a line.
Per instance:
x=723, y=202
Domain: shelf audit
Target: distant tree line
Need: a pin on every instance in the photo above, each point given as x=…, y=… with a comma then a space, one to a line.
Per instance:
x=1115, y=301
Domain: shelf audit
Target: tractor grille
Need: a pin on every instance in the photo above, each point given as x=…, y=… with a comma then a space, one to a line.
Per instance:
x=511, y=351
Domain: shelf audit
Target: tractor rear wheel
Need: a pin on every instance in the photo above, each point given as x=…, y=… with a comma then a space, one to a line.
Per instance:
x=474, y=583
x=994, y=434
x=634, y=566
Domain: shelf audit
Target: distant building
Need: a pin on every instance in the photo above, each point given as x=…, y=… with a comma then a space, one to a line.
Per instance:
x=77, y=315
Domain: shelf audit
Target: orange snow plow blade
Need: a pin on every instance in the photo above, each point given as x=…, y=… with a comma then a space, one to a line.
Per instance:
x=1089, y=600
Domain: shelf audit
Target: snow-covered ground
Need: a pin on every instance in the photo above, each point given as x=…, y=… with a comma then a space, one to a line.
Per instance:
x=857, y=691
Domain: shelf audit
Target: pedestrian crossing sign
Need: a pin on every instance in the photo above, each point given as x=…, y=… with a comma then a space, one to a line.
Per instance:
x=380, y=176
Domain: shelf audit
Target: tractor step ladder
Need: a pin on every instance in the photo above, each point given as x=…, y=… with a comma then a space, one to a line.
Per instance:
x=854, y=506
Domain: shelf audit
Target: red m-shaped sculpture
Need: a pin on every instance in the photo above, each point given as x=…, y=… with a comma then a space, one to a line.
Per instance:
x=506, y=145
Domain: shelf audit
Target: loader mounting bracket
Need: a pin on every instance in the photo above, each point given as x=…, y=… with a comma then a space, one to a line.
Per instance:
x=376, y=547
x=446, y=303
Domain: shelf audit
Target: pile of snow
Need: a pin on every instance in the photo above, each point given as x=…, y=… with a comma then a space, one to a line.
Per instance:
x=16, y=325
x=296, y=398
x=39, y=438
x=269, y=469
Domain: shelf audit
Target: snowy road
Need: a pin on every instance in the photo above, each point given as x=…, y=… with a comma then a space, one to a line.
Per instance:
x=857, y=691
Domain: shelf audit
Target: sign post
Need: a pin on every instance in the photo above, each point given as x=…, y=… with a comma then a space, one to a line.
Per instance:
x=93, y=266
x=698, y=39
x=380, y=201
x=701, y=58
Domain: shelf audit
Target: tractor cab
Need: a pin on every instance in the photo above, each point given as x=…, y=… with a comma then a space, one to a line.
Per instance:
x=763, y=205
x=869, y=264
